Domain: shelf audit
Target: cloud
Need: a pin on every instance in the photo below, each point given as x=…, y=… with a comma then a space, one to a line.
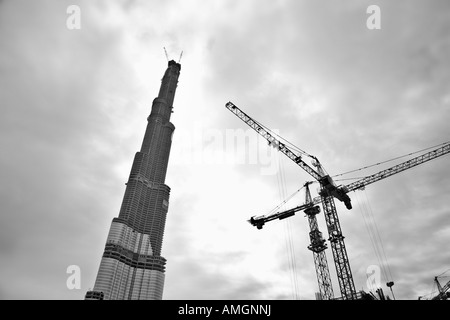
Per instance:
x=56, y=135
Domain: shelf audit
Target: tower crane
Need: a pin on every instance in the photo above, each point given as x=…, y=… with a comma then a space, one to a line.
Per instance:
x=328, y=191
x=444, y=291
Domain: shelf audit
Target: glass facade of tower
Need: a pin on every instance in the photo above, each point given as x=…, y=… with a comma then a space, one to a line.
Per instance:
x=132, y=267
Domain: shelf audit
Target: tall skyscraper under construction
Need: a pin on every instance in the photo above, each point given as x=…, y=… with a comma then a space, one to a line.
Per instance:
x=132, y=267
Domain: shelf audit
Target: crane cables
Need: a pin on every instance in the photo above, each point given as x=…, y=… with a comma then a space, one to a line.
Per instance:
x=434, y=289
x=386, y=161
x=274, y=210
x=289, y=243
x=375, y=238
x=440, y=275
x=292, y=146
x=286, y=142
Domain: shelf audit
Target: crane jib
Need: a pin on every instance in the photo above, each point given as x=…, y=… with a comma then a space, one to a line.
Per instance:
x=443, y=150
x=272, y=140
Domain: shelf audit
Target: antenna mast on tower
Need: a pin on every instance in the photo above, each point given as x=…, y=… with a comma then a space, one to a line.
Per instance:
x=167, y=56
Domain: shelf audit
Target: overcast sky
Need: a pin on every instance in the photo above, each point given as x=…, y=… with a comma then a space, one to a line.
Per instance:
x=74, y=105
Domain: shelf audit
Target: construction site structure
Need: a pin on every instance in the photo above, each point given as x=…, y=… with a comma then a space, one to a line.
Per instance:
x=444, y=291
x=329, y=190
x=132, y=267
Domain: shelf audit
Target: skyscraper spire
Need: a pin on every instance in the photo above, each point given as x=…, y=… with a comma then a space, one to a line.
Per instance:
x=132, y=267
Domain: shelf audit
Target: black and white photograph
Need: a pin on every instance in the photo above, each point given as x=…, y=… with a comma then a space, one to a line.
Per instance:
x=252, y=150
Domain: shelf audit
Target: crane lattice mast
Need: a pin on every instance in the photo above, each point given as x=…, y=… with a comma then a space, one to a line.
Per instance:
x=318, y=246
